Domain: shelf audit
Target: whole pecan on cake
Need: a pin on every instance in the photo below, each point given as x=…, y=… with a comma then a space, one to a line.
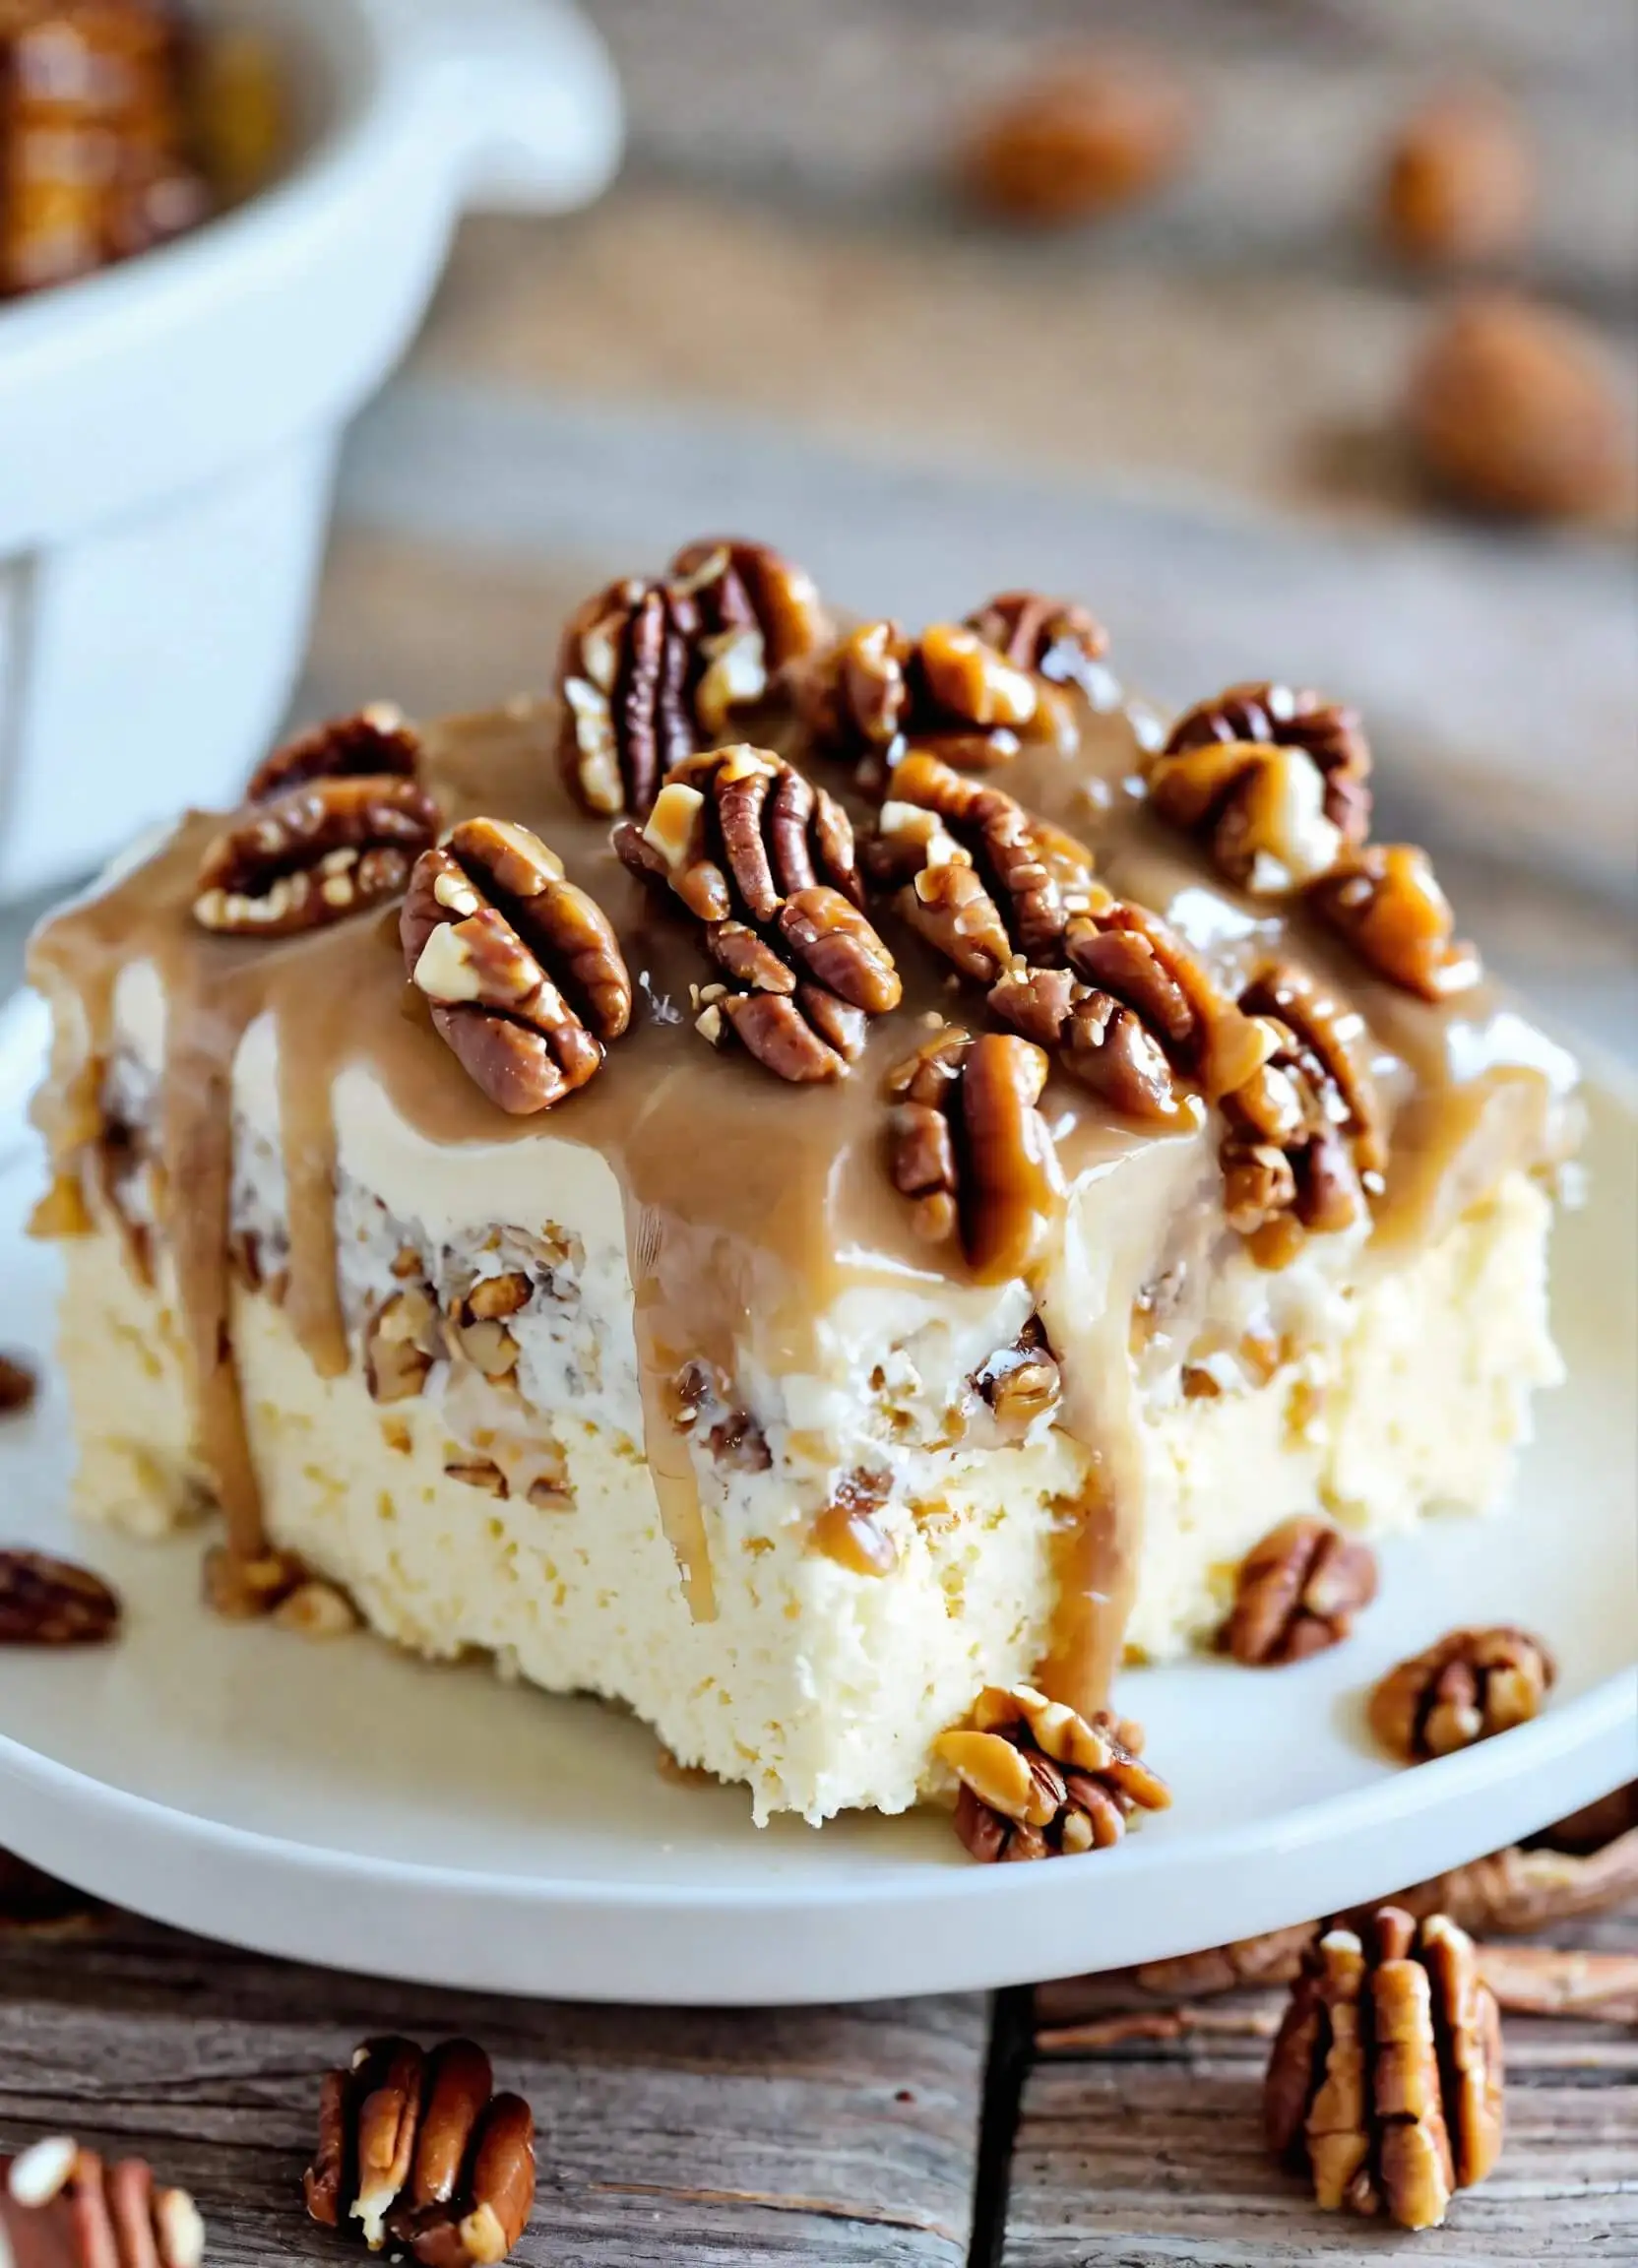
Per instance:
x=968, y=1147
x=50, y=1601
x=1385, y=2081
x=1058, y=639
x=522, y=972
x=1272, y=778
x=1305, y=1146
x=764, y=863
x=1386, y=902
x=1037, y=1781
x=377, y=741
x=651, y=670
x=1013, y=904
x=419, y=2150
x=317, y=853
x=1465, y=1688
x=62, y=2207
x=879, y=692
x=1297, y=1591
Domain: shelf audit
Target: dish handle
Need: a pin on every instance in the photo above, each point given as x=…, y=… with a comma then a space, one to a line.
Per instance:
x=525, y=98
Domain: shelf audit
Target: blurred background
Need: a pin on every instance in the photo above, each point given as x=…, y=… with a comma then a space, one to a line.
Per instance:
x=1295, y=337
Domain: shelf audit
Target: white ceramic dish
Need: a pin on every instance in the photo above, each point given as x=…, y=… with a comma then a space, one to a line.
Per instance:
x=170, y=427
x=346, y=1805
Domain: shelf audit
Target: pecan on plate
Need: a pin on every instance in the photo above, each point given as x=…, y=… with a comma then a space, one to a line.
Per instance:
x=967, y=1145
x=522, y=972
x=19, y=1385
x=60, y=2204
x=1467, y=1686
x=1386, y=901
x=1038, y=1782
x=46, y=1602
x=316, y=854
x=1303, y=1146
x=1272, y=778
x=376, y=743
x=651, y=670
x=764, y=863
x=1297, y=1593
x=1385, y=2081
x=1052, y=638
x=878, y=693
x=423, y=2155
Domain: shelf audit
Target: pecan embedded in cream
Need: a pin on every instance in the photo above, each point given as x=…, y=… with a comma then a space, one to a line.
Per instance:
x=1385, y=2080
x=1387, y=902
x=376, y=743
x=969, y=1145
x=315, y=853
x=522, y=972
x=764, y=863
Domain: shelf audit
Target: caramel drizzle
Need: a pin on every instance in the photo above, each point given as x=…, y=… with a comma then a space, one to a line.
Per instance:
x=748, y=1206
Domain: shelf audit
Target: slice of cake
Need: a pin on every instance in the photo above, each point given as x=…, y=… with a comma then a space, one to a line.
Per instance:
x=812, y=1174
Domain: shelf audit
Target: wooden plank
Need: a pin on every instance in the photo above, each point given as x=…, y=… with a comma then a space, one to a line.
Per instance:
x=1151, y=2152
x=842, y=2135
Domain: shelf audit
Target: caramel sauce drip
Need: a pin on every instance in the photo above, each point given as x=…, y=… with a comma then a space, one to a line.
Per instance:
x=750, y=1207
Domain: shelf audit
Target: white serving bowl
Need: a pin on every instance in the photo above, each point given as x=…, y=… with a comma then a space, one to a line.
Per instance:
x=168, y=428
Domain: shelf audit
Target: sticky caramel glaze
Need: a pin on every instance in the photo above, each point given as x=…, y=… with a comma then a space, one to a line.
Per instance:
x=751, y=1207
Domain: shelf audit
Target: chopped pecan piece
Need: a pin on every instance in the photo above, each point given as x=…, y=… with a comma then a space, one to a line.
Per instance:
x=46, y=1602
x=524, y=974
x=1469, y=1685
x=1297, y=1593
x=1385, y=2081
x=1274, y=822
x=1052, y=638
x=1038, y=1782
x=969, y=1146
x=418, y=2150
x=879, y=693
x=1020, y=1382
x=1386, y=901
x=401, y=1343
x=17, y=1385
x=318, y=853
x=60, y=2204
x=652, y=672
x=764, y=863
x=378, y=742
x=243, y=1589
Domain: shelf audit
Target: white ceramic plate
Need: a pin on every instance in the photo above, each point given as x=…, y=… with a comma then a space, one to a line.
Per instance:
x=346, y=1805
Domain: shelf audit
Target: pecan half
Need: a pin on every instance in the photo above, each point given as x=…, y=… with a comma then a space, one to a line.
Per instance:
x=967, y=1145
x=1469, y=1685
x=376, y=743
x=419, y=2150
x=17, y=1385
x=1385, y=2080
x=1387, y=904
x=319, y=852
x=764, y=863
x=879, y=692
x=1040, y=1782
x=1305, y=1144
x=1139, y=960
x=1297, y=1593
x=1264, y=714
x=46, y=1602
x=59, y=2202
x=1052, y=638
x=1459, y=182
x=523, y=972
x=653, y=670
x=1087, y=136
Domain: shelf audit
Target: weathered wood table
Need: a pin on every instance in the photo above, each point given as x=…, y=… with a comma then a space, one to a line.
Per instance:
x=897, y=2135
x=775, y=322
